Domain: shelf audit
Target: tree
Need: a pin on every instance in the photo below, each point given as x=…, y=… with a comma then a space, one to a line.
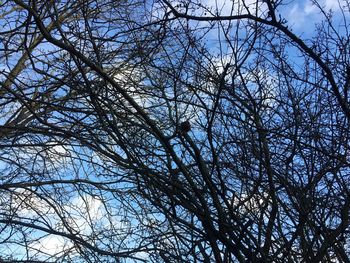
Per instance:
x=173, y=131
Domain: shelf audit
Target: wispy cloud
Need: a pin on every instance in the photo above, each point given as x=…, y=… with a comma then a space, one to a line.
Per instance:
x=333, y=5
x=302, y=15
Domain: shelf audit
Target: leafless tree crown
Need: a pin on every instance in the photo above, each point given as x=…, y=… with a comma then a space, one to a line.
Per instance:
x=174, y=131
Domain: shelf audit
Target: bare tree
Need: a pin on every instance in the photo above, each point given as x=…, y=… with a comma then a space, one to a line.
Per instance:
x=173, y=131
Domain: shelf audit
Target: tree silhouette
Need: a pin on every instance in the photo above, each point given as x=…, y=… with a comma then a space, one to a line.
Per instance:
x=173, y=131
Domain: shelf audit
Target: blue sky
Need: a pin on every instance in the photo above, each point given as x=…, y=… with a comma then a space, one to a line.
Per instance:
x=301, y=15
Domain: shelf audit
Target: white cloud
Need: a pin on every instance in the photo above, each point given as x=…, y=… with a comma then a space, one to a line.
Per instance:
x=310, y=8
x=57, y=153
x=84, y=212
x=52, y=245
x=332, y=5
x=250, y=203
x=142, y=256
x=29, y=205
x=304, y=14
x=296, y=16
x=226, y=7
x=91, y=205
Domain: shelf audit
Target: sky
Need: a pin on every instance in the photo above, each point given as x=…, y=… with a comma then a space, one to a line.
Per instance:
x=301, y=16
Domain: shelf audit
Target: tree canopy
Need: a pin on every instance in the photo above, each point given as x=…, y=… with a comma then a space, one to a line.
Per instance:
x=174, y=131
